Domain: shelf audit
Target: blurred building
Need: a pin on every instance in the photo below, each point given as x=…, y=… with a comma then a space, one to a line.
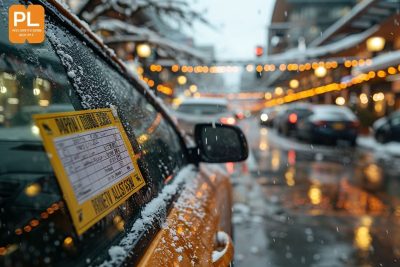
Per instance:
x=148, y=37
x=296, y=23
x=357, y=58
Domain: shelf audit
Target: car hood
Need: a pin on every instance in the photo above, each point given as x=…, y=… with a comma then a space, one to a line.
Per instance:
x=17, y=133
x=379, y=123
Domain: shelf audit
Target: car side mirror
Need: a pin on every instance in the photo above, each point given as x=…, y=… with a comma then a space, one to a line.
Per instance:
x=218, y=143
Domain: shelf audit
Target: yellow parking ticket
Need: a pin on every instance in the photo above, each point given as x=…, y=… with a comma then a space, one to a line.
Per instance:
x=93, y=161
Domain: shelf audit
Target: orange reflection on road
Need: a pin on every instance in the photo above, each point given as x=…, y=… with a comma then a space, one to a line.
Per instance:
x=315, y=194
x=289, y=176
x=356, y=201
x=373, y=173
x=275, y=159
x=362, y=238
x=292, y=157
x=263, y=139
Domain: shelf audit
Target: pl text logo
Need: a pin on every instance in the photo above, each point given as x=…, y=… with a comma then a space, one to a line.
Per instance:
x=26, y=23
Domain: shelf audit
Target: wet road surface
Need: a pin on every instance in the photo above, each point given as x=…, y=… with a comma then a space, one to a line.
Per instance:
x=298, y=204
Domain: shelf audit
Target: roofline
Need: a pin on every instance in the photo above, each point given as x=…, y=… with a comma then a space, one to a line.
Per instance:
x=381, y=61
x=342, y=22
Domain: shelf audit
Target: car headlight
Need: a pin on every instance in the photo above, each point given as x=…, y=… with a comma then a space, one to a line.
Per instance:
x=264, y=117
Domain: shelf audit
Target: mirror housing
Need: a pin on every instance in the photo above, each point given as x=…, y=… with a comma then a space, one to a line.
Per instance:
x=219, y=143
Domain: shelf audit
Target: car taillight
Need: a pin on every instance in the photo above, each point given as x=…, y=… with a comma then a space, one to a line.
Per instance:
x=355, y=124
x=228, y=120
x=293, y=118
x=240, y=115
x=319, y=123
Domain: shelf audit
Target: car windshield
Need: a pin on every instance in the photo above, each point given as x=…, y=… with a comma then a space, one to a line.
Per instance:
x=202, y=109
x=339, y=114
x=301, y=111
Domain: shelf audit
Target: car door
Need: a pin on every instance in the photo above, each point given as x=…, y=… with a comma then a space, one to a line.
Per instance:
x=395, y=127
x=69, y=72
x=164, y=158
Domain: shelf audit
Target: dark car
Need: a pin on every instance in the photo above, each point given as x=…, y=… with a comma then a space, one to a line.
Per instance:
x=387, y=129
x=267, y=116
x=329, y=123
x=287, y=119
x=184, y=204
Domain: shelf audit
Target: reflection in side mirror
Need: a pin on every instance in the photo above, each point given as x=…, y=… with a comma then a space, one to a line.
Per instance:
x=218, y=143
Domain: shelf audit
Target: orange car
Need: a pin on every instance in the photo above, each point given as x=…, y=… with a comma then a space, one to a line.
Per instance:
x=180, y=217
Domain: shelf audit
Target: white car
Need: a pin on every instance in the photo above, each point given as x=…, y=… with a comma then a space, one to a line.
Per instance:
x=203, y=110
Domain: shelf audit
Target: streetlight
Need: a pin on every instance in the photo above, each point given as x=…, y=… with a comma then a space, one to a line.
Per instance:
x=320, y=72
x=193, y=88
x=250, y=68
x=181, y=80
x=375, y=44
x=378, y=97
x=143, y=50
x=278, y=90
x=294, y=84
x=364, y=99
x=340, y=101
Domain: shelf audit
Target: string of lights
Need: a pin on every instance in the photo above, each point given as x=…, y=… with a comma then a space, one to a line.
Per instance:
x=291, y=67
x=152, y=84
x=304, y=94
x=280, y=96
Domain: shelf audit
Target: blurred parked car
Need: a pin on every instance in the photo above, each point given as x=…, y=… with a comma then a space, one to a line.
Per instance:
x=203, y=110
x=287, y=118
x=267, y=116
x=387, y=129
x=241, y=114
x=183, y=194
x=329, y=123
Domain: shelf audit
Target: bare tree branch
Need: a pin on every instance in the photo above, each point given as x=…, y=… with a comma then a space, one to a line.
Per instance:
x=175, y=9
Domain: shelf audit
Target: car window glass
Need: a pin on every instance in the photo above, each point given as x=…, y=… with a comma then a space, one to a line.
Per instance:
x=395, y=121
x=30, y=83
x=101, y=86
x=332, y=116
x=34, y=222
x=35, y=228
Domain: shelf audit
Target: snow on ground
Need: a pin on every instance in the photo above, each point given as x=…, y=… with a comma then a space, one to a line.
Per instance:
x=391, y=149
x=248, y=219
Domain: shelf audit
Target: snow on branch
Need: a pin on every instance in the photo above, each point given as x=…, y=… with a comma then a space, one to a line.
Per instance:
x=176, y=9
x=124, y=32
